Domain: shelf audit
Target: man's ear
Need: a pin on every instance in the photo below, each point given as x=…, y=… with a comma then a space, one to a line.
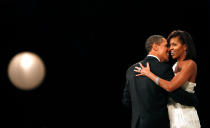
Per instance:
x=155, y=47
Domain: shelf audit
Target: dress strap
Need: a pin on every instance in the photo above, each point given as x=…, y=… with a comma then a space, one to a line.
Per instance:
x=174, y=66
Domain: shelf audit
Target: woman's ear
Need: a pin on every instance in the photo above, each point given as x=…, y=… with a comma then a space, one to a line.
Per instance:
x=185, y=47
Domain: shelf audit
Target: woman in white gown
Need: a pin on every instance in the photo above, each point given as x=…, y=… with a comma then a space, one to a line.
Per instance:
x=185, y=69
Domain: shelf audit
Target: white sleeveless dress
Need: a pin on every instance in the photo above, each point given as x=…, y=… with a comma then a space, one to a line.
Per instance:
x=182, y=116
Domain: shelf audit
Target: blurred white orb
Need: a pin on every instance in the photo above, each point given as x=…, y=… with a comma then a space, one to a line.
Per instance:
x=26, y=70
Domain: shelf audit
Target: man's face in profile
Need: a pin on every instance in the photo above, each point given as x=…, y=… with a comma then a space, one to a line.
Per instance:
x=163, y=51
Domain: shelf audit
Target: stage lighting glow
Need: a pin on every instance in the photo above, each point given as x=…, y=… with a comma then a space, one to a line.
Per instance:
x=26, y=70
x=26, y=61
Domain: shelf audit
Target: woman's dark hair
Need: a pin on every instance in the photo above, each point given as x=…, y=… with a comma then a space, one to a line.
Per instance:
x=185, y=38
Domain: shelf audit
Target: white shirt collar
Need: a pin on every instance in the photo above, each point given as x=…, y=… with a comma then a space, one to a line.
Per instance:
x=155, y=57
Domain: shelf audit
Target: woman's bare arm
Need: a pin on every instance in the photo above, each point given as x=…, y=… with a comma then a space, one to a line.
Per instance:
x=188, y=68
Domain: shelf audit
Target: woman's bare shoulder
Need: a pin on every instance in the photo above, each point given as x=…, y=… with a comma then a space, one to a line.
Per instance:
x=190, y=63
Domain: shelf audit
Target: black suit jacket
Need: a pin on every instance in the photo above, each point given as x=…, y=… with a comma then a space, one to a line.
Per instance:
x=149, y=101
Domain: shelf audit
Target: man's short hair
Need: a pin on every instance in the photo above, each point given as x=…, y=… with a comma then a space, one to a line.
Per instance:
x=151, y=40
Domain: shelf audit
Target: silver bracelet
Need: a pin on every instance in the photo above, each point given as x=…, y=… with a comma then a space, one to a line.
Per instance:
x=157, y=80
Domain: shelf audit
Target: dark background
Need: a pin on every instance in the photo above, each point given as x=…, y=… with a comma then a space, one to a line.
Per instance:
x=87, y=45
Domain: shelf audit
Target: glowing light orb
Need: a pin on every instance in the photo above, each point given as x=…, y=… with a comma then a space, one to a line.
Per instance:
x=26, y=70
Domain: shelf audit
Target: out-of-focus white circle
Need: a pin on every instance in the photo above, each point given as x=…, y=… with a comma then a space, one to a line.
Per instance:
x=26, y=70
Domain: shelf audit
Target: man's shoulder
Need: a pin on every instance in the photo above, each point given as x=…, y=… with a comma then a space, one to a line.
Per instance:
x=160, y=68
x=165, y=65
x=133, y=66
x=154, y=64
x=130, y=69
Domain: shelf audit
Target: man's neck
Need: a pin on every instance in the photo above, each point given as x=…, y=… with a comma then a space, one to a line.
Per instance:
x=154, y=55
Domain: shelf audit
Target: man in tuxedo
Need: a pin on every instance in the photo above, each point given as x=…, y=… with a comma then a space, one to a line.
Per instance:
x=147, y=100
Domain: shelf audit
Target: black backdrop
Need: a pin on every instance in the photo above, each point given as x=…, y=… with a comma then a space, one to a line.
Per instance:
x=87, y=45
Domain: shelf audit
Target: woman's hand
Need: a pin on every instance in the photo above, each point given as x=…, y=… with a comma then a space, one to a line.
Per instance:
x=143, y=71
